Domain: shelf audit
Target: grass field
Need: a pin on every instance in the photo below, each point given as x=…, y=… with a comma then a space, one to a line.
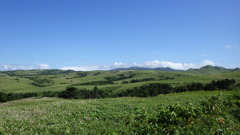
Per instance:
x=93, y=116
x=42, y=115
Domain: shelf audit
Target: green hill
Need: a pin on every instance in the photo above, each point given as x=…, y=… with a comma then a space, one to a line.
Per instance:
x=212, y=70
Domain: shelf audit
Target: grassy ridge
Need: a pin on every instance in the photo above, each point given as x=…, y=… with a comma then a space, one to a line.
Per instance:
x=93, y=116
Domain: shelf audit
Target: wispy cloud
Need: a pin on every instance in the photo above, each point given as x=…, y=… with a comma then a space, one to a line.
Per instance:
x=149, y=64
x=7, y=67
x=233, y=47
x=229, y=46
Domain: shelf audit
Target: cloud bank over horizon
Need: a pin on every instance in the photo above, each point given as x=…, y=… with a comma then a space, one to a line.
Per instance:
x=149, y=64
x=9, y=67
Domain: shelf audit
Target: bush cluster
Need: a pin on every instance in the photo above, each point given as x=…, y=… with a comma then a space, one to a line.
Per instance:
x=5, y=97
x=81, y=74
x=95, y=83
x=225, y=84
x=74, y=93
x=154, y=89
x=121, y=76
x=139, y=80
x=149, y=90
x=41, y=82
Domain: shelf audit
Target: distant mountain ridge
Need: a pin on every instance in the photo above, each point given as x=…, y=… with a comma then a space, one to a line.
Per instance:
x=143, y=68
x=204, y=70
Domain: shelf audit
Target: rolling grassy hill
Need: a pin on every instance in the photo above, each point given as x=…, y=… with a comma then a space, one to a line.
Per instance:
x=212, y=70
x=58, y=80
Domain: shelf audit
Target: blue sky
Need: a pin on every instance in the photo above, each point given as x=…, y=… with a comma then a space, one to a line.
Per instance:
x=105, y=34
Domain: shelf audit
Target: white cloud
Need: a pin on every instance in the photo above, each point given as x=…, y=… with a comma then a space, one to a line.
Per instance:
x=6, y=67
x=42, y=66
x=208, y=62
x=150, y=64
x=119, y=64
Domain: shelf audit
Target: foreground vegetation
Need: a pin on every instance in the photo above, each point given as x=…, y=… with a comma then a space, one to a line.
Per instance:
x=198, y=112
